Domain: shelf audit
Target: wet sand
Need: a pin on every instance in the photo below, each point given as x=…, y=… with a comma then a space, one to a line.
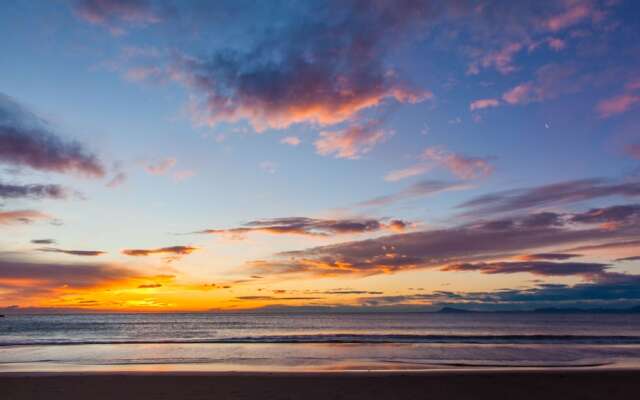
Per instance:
x=449, y=385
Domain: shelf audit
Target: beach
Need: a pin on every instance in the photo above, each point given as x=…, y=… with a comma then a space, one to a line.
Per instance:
x=477, y=385
x=382, y=356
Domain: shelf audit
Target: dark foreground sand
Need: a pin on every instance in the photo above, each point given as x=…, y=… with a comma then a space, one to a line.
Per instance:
x=547, y=385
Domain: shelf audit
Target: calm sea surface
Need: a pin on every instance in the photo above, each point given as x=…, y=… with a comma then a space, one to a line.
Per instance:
x=266, y=342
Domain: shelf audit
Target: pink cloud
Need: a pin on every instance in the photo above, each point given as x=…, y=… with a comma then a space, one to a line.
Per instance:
x=400, y=174
x=183, y=175
x=616, y=105
x=21, y=216
x=483, y=103
x=351, y=142
x=575, y=13
x=142, y=73
x=520, y=94
x=556, y=44
x=265, y=114
x=160, y=167
x=501, y=60
x=464, y=167
x=112, y=14
x=269, y=167
x=633, y=84
x=552, y=80
x=117, y=180
x=633, y=150
x=291, y=140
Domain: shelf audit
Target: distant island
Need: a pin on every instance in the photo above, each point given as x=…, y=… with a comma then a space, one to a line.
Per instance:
x=547, y=310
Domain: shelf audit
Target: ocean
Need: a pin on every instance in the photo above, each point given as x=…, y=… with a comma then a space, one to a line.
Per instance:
x=316, y=342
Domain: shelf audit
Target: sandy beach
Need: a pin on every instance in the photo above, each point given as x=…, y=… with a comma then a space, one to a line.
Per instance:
x=477, y=385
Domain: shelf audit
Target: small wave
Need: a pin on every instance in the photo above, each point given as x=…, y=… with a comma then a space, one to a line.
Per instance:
x=355, y=338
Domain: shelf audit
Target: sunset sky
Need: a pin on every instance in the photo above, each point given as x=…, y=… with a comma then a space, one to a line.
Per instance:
x=372, y=155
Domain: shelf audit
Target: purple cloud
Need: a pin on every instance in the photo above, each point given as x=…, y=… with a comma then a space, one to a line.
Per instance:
x=33, y=191
x=481, y=241
x=550, y=195
x=416, y=190
x=590, y=271
x=116, y=14
x=351, y=142
x=310, y=227
x=27, y=141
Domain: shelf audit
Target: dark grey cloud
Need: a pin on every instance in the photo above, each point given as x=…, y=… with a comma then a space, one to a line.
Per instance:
x=549, y=195
x=310, y=226
x=28, y=141
x=610, y=215
x=632, y=258
x=349, y=292
x=170, y=251
x=84, y=253
x=590, y=271
x=548, y=256
x=271, y=298
x=33, y=191
x=150, y=286
x=43, y=241
x=621, y=292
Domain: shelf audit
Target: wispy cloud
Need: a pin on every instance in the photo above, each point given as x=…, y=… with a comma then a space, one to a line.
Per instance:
x=551, y=81
x=462, y=166
x=291, y=140
x=116, y=15
x=83, y=253
x=501, y=60
x=160, y=167
x=590, y=271
x=21, y=216
x=166, y=251
x=550, y=195
x=43, y=241
x=416, y=190
x=352, y=142
x=118, y=179
x=483, y=103
x=574, y=13
x=617, y=105
x=269, y=167
x=414, y=170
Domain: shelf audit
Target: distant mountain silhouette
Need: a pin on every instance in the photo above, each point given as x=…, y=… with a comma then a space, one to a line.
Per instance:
x=553, y=310
x=452, y=310
x=548, y=310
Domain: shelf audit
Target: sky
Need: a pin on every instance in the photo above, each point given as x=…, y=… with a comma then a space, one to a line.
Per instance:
x=383, y=155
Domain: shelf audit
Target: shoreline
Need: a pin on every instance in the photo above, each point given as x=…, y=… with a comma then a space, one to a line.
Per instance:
x=310, y=373
x=525, y=385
